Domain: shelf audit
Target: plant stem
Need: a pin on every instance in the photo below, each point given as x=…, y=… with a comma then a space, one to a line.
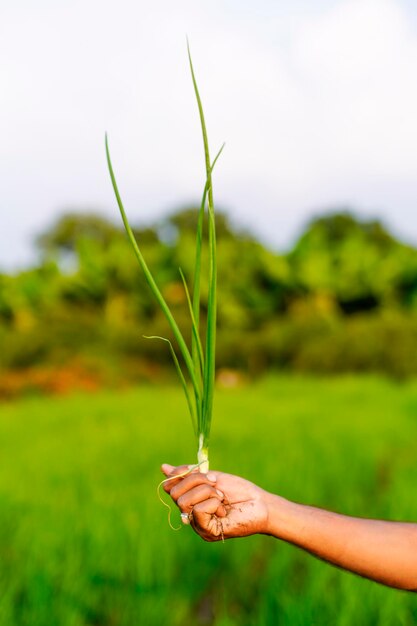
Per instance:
x=202, y=455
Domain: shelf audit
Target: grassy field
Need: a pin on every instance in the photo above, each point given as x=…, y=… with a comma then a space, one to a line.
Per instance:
x=85, y=541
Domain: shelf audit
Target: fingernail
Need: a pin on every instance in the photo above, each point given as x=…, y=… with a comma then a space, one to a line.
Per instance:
x=211, y=477
x=167, y=468
x=220, y=493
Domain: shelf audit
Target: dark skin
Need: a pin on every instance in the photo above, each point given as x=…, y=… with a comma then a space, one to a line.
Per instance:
x=224, y=506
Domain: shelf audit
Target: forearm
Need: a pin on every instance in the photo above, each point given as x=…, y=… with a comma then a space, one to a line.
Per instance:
x=382, y=551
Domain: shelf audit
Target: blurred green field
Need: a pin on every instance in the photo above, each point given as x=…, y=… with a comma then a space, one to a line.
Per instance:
x=85, y=541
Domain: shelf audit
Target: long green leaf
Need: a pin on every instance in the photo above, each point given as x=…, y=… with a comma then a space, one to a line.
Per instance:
x=177, y=333
x=199, y=241
x=209, y=370
x=209, y=378
x=217, y=156
x=196, y=284
x=181, y=377
x=197, y=274
x=195, y=332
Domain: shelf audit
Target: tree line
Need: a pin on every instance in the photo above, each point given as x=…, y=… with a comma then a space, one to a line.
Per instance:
x=343, y=298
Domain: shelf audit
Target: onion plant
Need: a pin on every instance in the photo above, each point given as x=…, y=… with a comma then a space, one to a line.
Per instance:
x=199, y=361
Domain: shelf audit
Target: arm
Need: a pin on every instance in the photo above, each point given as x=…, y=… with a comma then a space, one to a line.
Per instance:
x=226, y=506
x=382, y=551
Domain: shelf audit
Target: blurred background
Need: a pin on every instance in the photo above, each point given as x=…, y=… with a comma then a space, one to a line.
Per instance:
x=317, y=287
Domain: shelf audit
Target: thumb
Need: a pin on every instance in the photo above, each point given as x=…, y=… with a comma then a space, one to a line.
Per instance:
x=167, y=469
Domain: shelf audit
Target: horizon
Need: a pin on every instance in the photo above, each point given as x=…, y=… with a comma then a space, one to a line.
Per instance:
x=35, y=259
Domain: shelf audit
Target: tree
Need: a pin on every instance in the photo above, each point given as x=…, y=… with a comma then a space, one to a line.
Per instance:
x=356, y=262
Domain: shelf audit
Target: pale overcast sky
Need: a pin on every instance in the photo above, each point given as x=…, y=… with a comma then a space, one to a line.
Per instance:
x=317, y=103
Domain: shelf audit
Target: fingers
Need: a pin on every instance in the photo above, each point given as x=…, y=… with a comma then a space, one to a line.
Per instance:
x=193, y=488
x=187, y=483
x=207, y=519
x=172, y=472
x=187, y=501
x=204, y=509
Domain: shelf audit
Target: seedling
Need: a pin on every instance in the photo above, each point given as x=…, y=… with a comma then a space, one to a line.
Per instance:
x=199, y=363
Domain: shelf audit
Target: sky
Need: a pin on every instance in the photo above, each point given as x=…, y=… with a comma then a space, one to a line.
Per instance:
x=316, y=103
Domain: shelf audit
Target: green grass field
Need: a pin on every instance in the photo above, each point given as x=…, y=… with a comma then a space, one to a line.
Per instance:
x=85, y=541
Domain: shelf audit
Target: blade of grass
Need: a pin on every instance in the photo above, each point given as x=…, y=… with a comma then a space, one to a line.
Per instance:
x=217, y=156
x=209, y=378
x=209, y=370
x=195, y=336
x=199, y=241
x=181, y=377
x=197, y=274
x=177, y=333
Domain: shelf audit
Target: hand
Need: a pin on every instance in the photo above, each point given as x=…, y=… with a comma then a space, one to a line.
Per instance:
x=220, y=506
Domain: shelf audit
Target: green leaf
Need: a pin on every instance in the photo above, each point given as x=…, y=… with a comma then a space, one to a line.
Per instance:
x=158, y=295
x=210, y=360
x=181, y=377
x=195, y=334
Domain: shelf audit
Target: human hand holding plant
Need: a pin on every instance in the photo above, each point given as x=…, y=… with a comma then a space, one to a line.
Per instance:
x=218, y=505
x=222, y=506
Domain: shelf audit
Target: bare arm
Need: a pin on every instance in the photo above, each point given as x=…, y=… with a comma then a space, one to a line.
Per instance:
x=226, y=506
x=382, y=551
